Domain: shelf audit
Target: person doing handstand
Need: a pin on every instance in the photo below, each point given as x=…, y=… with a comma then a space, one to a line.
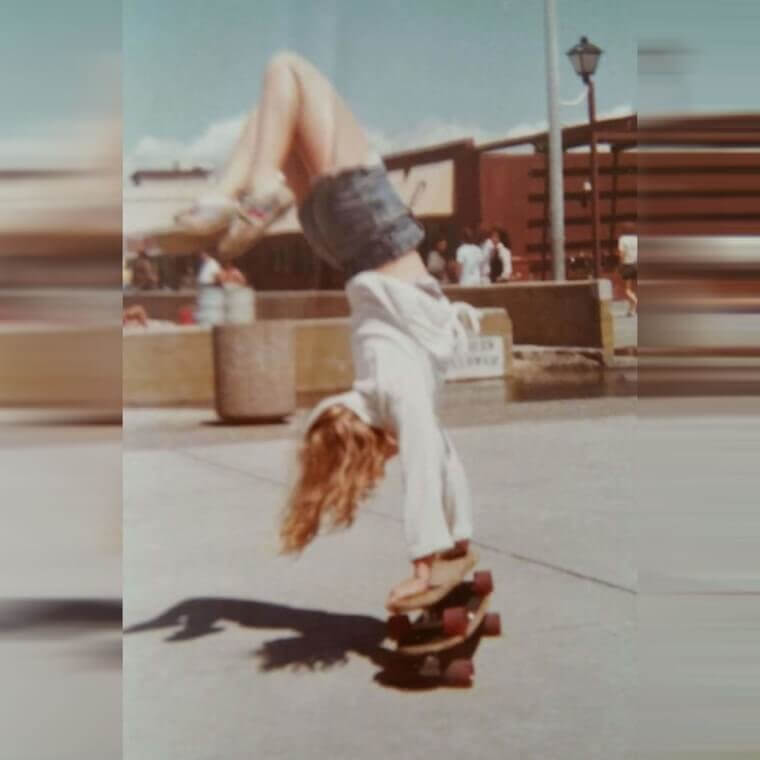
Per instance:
x=303, y=145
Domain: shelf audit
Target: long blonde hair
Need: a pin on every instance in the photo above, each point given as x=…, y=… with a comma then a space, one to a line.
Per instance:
x=340, y=462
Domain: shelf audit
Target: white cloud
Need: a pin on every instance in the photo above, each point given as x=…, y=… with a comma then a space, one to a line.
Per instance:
x=616, y=112
x=209, y=149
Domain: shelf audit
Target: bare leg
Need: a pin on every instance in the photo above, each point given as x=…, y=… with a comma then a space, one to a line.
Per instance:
x=297, y=176
x=235, y=178
x=633, y=300
x=301, y=128
x=299, y=109
x=237, y=172
x=299, y=113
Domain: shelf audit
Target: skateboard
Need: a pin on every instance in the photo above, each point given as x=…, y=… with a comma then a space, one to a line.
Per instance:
x=449, y=621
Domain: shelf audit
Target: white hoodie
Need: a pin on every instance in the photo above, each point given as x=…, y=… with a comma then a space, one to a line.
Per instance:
x=403, y=337
x=417, y=319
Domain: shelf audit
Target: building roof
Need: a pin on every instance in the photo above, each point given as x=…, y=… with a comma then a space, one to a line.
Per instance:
x=197, y=172
x=740, y=130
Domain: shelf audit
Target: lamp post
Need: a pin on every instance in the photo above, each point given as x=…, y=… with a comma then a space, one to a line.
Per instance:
x=553, y=153
x=585, y=56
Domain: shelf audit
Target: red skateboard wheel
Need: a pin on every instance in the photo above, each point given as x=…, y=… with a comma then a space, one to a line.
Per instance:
x=459, y=673
x=482, y=582
x=455, y=621
x=492, y=624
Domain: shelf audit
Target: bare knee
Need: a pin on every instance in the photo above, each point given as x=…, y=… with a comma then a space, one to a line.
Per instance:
x=285, y=60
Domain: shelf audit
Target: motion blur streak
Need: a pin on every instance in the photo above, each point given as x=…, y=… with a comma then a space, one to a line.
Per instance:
x=60, y=380
x=696, y=523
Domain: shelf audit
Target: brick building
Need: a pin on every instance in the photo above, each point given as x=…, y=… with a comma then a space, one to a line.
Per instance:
x=695, y=176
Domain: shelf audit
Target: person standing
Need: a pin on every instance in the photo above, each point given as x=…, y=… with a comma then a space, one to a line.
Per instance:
x=210, y=271
x=437, y=260
x=497, y=258
x=188, y=279
x=469, y=258
x=210, y=297
x=628, y=248
x=144, y=275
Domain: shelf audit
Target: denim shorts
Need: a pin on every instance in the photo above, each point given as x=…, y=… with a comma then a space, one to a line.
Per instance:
x=356, y=221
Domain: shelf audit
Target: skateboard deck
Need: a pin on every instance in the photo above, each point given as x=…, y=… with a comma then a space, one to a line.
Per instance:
x=429, y=633
x=446, y=575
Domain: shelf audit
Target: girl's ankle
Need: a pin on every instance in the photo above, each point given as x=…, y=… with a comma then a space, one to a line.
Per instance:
x=265, y=182
x=423, y=568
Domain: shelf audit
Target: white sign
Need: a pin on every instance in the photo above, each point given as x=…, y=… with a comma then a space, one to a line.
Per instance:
x=484, y=358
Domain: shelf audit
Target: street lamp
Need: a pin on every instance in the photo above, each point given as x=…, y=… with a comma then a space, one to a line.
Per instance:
x=585, y=56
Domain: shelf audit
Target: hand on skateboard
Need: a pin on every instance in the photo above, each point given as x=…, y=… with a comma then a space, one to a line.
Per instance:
x=445, y=575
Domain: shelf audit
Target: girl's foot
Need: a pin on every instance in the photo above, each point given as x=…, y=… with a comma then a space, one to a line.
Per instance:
x=255, y=213
x=240, y=236
x=268, y=200
x=209, y=215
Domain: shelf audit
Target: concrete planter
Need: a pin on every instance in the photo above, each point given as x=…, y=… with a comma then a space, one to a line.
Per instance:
x=254, y=370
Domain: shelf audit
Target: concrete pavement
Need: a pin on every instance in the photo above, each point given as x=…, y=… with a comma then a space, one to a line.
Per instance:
x=233, y=651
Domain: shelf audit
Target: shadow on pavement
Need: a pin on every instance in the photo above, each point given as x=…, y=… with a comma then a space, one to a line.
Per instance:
x=324, y=639
x=57, y=617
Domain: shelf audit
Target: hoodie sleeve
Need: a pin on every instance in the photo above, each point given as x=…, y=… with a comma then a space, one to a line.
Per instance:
x=422, y=451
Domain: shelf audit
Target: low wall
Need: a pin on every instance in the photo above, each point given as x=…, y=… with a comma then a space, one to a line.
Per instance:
x=548, y=313
x=566, y=314
x=161, y=304
x=174, y=366
x=52, y=366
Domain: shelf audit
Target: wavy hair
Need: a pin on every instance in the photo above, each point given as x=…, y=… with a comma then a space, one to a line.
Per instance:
x=340, y=462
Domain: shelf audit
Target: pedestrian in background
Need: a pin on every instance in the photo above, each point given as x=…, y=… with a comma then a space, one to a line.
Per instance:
x=497, y=258
x=628, y=248
x=437, y=260
x=469, y=258
x=209, y=272
x=144, y=274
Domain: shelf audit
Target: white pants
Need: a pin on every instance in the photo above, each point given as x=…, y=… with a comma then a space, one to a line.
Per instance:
x=399, y=386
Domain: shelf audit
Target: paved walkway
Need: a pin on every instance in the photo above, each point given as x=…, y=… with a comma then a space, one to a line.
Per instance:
x=622, y=534
x=235, y=651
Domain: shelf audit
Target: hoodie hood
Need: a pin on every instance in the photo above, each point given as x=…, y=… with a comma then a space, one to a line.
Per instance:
x=352, y=400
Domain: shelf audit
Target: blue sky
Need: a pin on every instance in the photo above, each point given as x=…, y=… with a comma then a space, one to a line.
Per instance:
x=414, y=71
x=404, y=67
